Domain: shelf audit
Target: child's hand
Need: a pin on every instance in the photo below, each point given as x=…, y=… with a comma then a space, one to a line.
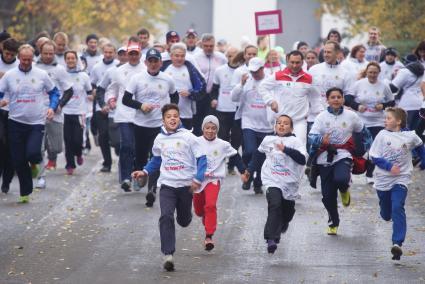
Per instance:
x=395, y=170
x=245, y=176
x=138, y=174
x=280, y=146
x=194, y=186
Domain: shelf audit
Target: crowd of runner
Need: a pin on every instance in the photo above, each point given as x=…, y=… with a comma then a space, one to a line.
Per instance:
x=182, y=114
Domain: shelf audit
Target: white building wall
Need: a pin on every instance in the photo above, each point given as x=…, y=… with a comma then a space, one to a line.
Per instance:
x=234, y=19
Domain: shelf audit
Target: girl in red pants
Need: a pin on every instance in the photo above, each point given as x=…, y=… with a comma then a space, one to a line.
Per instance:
x=205, y=199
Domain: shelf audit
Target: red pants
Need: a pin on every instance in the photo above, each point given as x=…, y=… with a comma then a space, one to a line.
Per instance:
x=204, y=204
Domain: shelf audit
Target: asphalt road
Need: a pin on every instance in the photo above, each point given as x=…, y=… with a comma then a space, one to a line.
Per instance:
x=85, y=229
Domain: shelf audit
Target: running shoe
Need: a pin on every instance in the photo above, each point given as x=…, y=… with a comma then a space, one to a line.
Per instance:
x=332, y=231
x=69, y=171
x=209, y=244
x=258, y=190
x=168, y=263
x=150, y=197
x=5, y=189
x=80, y=160
x=51, y=165
x=126, y=185
x=41, y=183
x=105, y=169
x=24, y=199
x=396, y=251
x=271, y=246
x=345, y=198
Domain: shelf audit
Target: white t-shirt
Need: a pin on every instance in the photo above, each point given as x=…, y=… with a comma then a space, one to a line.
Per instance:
x=182, y=81
x=80, y=86
x=223, y=77
x=62, y=81
x=236, y=79
x=412, y=98
x=326, y=76
x=101, y=76
x=216, y=151
x=370, y=95
x=252, y=106
x=353, y=67
x=208, y=65
x=154, y=90
x=340, y=128
x=374, y=52
x=27, y=94
x=394, y=147
x=92, y=61
x=388, y=71
x=178, y=152
x=119, y=81
x=4, y=67
x=279, y=170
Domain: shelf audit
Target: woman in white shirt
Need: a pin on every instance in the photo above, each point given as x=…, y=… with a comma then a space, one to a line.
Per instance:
x=369, y=97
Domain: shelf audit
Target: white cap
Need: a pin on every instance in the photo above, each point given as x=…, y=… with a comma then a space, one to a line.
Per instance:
x=212, y=119
x=255, y=64
x=122, y=48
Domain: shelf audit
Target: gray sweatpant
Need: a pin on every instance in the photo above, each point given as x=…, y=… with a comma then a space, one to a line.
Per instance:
x=53, y=139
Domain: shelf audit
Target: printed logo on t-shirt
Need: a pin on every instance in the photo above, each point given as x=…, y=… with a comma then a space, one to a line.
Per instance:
x=173, y=161
x=278, y=168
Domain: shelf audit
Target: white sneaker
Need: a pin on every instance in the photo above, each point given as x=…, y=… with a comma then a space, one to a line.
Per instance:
x=41, y=183
x=86, y=151
x=168, y=263
x=370, y=180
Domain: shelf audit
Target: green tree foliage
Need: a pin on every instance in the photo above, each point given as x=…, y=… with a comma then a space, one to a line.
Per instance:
x=401, y=22
x=112, y=18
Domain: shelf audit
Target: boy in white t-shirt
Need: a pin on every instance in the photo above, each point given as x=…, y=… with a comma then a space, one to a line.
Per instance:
x=391, y=152
x=283, y=157
x=176, y=153
x=205, y=199
x=331, y=137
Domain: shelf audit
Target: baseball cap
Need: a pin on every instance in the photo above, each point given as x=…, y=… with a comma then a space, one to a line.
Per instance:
x=4, y=35
x=133, y=46
x=172, y=34
x=255, y=64
x=122, y=48
x=153, y=53
x=390, y=51
x=191, y=32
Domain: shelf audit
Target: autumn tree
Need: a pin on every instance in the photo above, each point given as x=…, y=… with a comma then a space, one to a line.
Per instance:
x=112, y=18
x=401, y=22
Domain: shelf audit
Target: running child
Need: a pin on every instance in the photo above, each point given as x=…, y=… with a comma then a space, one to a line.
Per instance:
x=283, y=158
x=205, y=199
x=332, y=146
x=391, y=153
x=182, y=166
